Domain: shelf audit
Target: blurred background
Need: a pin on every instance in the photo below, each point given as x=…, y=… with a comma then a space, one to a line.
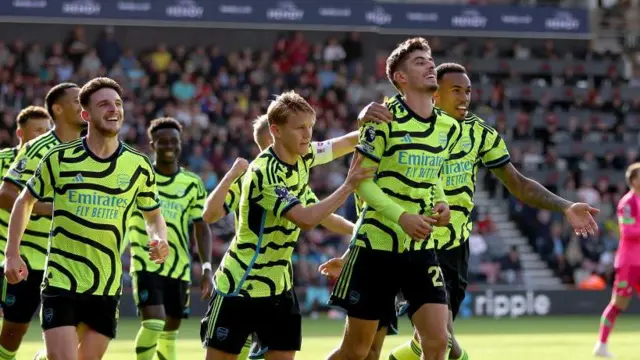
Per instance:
x=560, y=81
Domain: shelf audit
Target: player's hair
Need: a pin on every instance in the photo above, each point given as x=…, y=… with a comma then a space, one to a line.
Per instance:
x=96, y=85
x=55, y=94
x=285, y=104
x=401, y=52
x=632, y=172
x=449, y=68
x=31, y=112
x=260, y=124
x=163, y=123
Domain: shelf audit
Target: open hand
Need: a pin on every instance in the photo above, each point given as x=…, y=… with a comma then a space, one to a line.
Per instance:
x=580, y=216
x=357, y=173
x=375, y=112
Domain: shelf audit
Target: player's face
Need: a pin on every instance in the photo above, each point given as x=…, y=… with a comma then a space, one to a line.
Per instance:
x=70, y=108
x=296, y=133
x=105, y=113
x=167, y=145
x=420, y=72
x=33, y=128
x=264, y=139
x=454, y=94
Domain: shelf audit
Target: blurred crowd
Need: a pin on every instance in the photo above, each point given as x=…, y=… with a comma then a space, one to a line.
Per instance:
x=216, y=93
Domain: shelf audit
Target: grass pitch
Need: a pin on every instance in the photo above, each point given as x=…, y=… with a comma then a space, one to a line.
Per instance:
x=561, y=338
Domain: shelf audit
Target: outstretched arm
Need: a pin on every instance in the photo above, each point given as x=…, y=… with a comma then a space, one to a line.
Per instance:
x=530, y=191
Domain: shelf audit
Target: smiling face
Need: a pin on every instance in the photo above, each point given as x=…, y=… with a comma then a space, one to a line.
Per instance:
x=167, y=145
x=104, y=112
x=454, y=94
x=417, y=72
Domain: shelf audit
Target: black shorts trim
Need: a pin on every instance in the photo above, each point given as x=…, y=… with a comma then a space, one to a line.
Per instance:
x=20, y=301
x=371, y=279
x=455, y=264
x=154, y=289
x=231, y=319
x=64, y=308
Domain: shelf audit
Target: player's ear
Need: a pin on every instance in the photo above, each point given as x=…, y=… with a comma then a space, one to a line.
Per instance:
x=275, y=130
x=399, y=77
x=85, y=115
x=20, y=134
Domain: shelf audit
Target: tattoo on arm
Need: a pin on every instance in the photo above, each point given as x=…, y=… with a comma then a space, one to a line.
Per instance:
x=529, y=191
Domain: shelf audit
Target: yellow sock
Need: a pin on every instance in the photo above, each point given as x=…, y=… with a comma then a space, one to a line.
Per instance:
x=6, y=354
x=408, y=351
x=167, y=346
x=464, y=356
x=147, y=338
x=244, y=354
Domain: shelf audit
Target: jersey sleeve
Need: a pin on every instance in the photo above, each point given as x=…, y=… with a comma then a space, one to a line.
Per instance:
x=310, y=197
x=232, y=199
x=147, y=198
x=274, y=195
x=494, y=153
x=322, y=152
x=22, y=169
x=197, y=204
x=42, y=182
x=372, y=142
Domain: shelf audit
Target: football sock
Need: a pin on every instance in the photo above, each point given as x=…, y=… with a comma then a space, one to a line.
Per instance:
x=6, y=354
x=464, y=356
x=244, y=354
x=607, y=321
x=408, y=351
x=449, y=345
x=167, y=346
x=147, y=338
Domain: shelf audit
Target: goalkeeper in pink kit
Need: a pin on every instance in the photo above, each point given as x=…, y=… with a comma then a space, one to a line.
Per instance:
x=627, y=262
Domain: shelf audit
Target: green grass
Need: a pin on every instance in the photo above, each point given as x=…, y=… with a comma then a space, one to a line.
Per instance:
x=565, y=338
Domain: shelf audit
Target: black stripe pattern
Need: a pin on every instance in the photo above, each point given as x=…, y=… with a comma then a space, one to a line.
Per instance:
x=258, y=261
x=410, y=153
x=480, y=144
x=93, y=200
x=36, y=236
x=182, y=197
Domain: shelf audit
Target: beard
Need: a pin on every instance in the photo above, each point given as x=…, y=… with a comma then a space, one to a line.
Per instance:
x=104, y=131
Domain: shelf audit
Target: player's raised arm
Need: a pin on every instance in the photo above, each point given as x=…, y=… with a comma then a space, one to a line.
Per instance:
x=309, y=217
x=225, y=197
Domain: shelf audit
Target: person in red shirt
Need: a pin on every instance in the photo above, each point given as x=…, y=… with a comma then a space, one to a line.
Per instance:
x=627, y=261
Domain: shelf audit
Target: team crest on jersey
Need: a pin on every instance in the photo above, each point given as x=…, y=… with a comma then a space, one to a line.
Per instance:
x=442, y=139
x=20, y=167
x=123, y=181
x=465, y=143
x=626, y=211
x=369, y=134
